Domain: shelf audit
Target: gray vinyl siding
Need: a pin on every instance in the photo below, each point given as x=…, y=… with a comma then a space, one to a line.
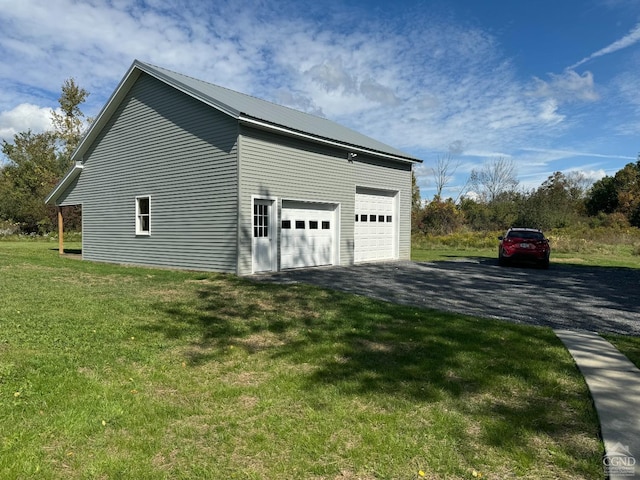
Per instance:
x=180, y=152
x=72, y=195
x=280, y=167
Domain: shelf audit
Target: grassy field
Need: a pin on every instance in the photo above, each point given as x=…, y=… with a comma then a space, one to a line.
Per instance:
x=115, y=372
x=595, y=247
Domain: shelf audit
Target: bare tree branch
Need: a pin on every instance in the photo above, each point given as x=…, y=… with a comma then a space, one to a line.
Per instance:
x=443, y=171
x=495, y=177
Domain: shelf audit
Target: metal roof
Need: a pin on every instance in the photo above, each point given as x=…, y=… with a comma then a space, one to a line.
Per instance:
x=261, y=113
x=245, y=108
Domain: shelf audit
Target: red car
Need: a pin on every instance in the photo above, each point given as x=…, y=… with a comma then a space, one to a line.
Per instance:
x=524, y=244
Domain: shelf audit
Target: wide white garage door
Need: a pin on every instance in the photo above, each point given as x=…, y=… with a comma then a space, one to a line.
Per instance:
x=307, y=234
x=375, y=227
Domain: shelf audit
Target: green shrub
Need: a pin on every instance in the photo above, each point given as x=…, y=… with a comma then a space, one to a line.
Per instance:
x=460, y=240
x=440, y=218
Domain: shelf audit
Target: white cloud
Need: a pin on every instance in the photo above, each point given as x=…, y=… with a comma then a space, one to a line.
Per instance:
x=555, y=154
x=331, y=75
x=449, y=83
x=626, y=88
x=568, y=86
x=425, y=83
x=376, y=92
x=548, y=113
x=97, y=41
x=297, y=101
x=589, y=174
x=22, y=118
x=629, y=39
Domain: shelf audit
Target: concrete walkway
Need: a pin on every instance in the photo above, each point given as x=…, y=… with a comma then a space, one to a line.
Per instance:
x=614, y=383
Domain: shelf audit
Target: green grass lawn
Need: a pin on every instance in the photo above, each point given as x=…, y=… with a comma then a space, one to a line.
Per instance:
x=115, y=372
x=629, y=346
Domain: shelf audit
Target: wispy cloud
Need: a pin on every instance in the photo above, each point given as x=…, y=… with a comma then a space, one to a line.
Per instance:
x=424, y=82
x=629, y=39
x=567, y=86
x=555, y=154
x=627, y=96
x=450, y=84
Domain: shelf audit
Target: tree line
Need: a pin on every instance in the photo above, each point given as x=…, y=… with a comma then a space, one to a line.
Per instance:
x=33, y=163
x=562, y=201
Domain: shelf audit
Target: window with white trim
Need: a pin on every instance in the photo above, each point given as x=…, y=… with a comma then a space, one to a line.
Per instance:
x=260, y=220
x=143, y=215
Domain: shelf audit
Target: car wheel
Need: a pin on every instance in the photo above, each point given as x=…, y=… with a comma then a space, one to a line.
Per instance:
x=501, y=260
x=544, y=263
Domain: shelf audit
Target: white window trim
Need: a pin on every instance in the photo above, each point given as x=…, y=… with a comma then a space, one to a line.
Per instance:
x=139, y=231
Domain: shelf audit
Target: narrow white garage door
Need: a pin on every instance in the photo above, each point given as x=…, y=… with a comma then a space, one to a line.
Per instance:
x=307, y=234
x=375, y=227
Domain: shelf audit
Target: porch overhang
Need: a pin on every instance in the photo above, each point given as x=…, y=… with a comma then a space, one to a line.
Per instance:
x=63, y=184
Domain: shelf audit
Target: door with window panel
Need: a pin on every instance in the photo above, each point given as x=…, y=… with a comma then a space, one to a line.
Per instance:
x=263, y=235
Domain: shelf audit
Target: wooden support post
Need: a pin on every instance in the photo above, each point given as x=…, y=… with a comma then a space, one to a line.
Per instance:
x=60, y=232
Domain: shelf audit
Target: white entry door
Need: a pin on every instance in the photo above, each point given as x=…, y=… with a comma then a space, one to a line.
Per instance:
x=263, y=236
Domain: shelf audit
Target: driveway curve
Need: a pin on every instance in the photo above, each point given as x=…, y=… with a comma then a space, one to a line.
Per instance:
x=599, y=299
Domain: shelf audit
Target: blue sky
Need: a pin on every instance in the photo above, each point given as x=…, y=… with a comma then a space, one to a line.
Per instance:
x=551, y=85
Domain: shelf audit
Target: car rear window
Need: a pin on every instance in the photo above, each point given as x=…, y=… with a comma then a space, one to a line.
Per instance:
x=526, y=235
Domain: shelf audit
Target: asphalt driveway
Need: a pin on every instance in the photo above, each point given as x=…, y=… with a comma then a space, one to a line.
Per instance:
x=599, y=299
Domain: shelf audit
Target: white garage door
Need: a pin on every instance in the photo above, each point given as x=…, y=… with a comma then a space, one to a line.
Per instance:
x=307, y=234
x=375, y=227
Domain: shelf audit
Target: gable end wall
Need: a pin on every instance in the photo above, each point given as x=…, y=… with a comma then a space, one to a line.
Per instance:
x=183, y=154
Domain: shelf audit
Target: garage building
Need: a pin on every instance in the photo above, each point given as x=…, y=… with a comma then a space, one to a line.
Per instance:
x=182, y=173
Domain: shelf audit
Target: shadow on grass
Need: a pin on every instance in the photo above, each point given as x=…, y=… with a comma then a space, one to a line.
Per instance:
x=511, y=378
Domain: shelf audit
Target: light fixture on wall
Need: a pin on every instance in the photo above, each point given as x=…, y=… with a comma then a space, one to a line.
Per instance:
x=351, y=156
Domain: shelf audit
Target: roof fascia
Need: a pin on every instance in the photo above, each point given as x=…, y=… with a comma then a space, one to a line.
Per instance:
x=254, y=122
x=63, y=184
